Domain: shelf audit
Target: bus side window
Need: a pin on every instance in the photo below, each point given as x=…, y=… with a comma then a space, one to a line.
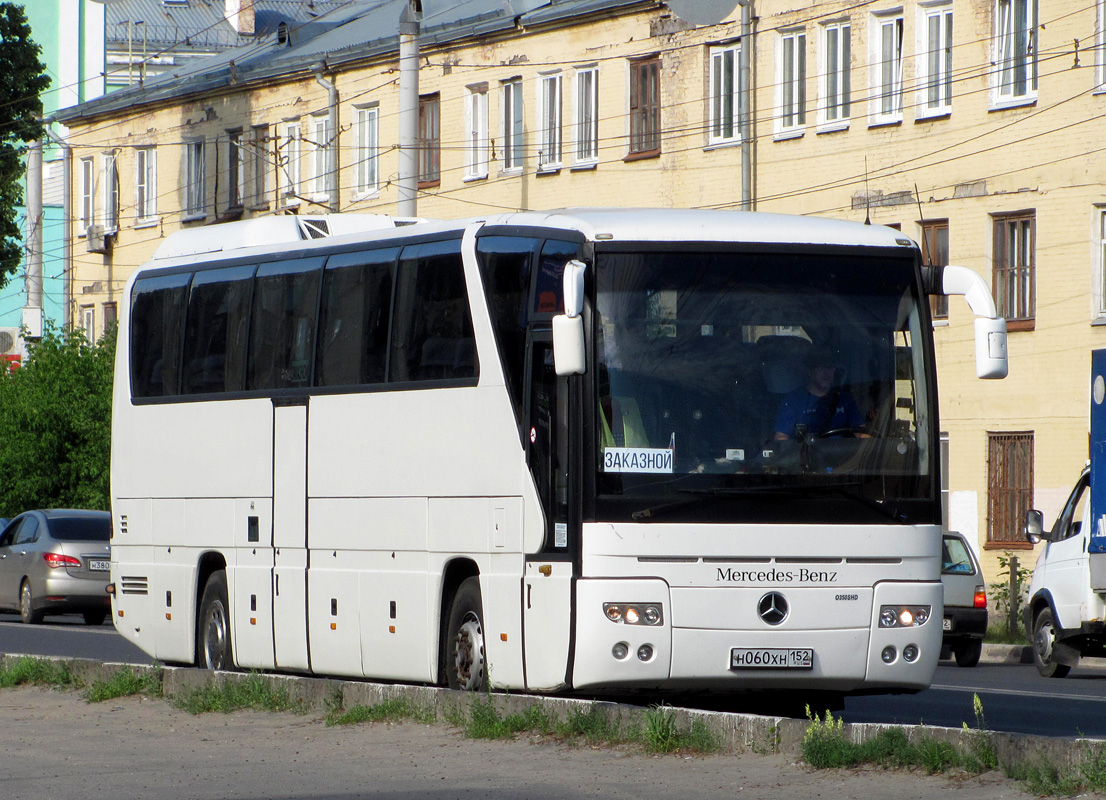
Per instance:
x=215, y=331
x=157, y=315
x=282, y=325
x=433, y=337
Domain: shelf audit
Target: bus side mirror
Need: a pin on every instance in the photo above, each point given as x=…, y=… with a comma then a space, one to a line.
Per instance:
x=569, y=353
x=1034, y=526
x=990, y=328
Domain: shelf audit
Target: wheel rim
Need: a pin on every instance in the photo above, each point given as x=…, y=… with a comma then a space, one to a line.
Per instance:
x=468, y=653
x=215, y=637
x=1043, y=642
x=25, y=603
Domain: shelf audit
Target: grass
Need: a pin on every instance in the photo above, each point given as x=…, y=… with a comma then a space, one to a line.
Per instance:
x=255, y=692
x=38, y=672
x=1040, y=777
x=999, y=633
x=125, y=683
x=395, y=709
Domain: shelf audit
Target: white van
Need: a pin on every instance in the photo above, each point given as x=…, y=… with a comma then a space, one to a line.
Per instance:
x=1065, y=613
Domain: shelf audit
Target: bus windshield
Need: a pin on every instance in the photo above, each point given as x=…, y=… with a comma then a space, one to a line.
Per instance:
x=738, y=374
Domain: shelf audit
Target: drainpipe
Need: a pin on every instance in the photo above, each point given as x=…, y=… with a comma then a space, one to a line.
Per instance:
x=332, y=129
x=67, y=205
x=407, y=205
x=748, y=200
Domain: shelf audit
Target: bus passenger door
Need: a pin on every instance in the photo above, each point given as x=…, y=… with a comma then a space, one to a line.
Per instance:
x=547, y=582
x=290, y=533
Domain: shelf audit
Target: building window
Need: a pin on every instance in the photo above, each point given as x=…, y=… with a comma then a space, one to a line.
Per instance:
x=836, y=80
x=259, y=160
x=935, y=60
x=321, y=163
x=1009, y=488
x=289, y=171
x=1014, y=268
x=88, y=322
x=145, y=184
x=430, y=143
x=111, y=193
x=586, y=110
x=549, y=121
x=111, y=315
x=476, y=126
x=195, y=179
x=886, y=96
x=88, y=194
x=236, y=167
x=935, y=251
x=1100, y=35
x=366, y=178
x=1016, y=51
x=725, y=94
x=645, y=107
x=512, y=125
x=792, y=82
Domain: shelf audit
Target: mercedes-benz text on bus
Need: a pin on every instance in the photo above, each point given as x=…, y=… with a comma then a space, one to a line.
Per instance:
x=593, y=450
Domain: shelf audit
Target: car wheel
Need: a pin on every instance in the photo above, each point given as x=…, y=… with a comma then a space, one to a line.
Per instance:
x=967, y=654
x=213, y=650
x=95, y=617
x=1044, y=637
x=465, y=666
x=27, y=610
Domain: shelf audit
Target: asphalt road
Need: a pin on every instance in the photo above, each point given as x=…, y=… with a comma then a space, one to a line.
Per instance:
x=1015, y=698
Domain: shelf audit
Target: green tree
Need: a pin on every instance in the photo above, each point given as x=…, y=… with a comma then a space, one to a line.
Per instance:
x=22, y=79
x=55, y=424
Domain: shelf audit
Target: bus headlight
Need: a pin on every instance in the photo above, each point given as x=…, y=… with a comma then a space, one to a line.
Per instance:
x=634, y=613
x=903, y=616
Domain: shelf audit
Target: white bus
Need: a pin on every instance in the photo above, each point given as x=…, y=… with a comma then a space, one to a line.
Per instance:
x=356, y=446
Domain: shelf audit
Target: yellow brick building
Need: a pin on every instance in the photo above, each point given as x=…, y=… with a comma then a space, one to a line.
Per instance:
x=971, y=125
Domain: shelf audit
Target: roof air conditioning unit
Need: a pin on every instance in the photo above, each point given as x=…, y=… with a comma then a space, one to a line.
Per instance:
x=97, y=240
x=11, y=344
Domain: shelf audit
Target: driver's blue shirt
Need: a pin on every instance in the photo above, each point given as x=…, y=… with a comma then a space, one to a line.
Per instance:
x=800, y=407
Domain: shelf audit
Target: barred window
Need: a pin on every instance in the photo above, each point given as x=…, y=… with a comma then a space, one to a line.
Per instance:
x=1009, y=488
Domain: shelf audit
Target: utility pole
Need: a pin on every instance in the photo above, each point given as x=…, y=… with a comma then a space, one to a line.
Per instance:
x=407, y=205
x=32, y=311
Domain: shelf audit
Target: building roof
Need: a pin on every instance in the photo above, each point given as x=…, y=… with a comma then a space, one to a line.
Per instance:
x=330, y=31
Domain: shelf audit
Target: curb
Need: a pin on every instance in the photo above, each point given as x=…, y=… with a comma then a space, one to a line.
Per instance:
x=1006, y=654
x=738, y=733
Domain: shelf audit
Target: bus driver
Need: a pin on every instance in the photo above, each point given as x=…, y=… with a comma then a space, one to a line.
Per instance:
x=820, y=405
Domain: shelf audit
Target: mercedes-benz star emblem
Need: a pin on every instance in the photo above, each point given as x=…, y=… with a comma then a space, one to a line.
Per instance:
x=773, y=608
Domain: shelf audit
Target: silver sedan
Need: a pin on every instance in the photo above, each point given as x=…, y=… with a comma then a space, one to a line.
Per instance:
x=56, y=562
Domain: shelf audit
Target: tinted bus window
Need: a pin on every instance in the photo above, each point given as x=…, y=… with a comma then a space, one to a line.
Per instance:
x=505, y=266
x=282, y=325
x=432, y=336
x=549, y=286
x=354, y=318
x=215, y=331
x=157, y=311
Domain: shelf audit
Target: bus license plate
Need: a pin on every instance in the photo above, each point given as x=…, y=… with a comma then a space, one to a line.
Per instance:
x=772, y=658
x=98, y=564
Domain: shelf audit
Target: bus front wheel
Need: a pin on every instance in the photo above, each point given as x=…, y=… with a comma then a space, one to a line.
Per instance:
x=465, y=666
x=213, y=650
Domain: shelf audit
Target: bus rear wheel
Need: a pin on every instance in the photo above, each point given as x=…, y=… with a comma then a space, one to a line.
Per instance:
x=213, y=650
x=466, y=668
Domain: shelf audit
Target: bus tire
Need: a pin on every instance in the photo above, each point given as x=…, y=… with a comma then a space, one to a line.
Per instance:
x=465, y=665
x=1044, y=637
x=213, y=649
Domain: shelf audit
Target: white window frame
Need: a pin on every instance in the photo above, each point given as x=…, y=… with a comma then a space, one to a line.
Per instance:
x=1010, y=53
x=288, y=169
x=195, y=179
x=1100, y=40
x=1099, y=236
x=934, y=60
x=835, y=103
x=145, y=185
x=585, y=116
x=236, y=170
x=514, y=133
x=791, y=75
x=550, y=152
x=476, y=132
x=88, y=323
x=259, y=165
x=86, y=213
x=724, y=105
x=320, y=157
x=886, y=95
x=366, y=175
x=110, y=183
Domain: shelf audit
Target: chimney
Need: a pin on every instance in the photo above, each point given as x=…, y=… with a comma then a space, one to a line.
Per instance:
x=239, y=14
